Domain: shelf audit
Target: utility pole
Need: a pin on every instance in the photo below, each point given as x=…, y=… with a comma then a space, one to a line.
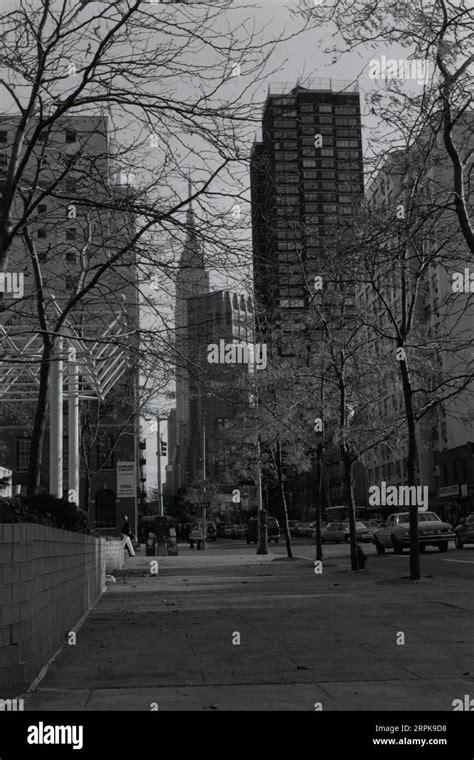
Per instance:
x=158, y=458
x=204, y=526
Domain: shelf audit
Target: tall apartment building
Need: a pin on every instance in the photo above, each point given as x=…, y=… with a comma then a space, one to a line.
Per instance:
x=306, y=182
x=76, y=219
x=306, y=176
x=445, y=436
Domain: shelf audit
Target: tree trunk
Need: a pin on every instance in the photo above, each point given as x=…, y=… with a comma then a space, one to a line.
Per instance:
x=39, y=424
x=319, y=495
x=284, y=511
x=347, y=464
x=415, y=569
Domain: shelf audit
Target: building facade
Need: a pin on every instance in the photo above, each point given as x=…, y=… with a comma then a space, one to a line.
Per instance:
x=440, y=353
x=76, y=219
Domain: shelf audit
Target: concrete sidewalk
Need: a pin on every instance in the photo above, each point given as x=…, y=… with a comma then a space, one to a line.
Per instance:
x=225, y=630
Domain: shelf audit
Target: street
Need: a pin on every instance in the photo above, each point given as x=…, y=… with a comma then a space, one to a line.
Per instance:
x=454, y=564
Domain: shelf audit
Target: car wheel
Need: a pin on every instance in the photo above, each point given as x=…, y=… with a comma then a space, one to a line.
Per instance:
x=443, y=546
x=459, y=542
x=379, y=547
x=397, y=546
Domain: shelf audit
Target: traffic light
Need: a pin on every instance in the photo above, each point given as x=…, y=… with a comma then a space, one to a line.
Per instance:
x=164, y=446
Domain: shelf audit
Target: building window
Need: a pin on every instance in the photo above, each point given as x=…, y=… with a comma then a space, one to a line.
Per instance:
x=23, y=452
x=3, y=160
x=71, y=234
x=105, y=456
x=42, y=208
x=71, y=257
x=42, y=234
x=3, y=136
x=105, y=509
x=42, y=255
x=325, y=108
x=70, y=135
x=70, y=282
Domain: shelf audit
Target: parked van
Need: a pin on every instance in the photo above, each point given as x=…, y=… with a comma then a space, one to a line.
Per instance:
x=252, y=530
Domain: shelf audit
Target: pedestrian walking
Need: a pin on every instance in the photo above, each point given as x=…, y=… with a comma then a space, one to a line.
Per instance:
x=126, y=533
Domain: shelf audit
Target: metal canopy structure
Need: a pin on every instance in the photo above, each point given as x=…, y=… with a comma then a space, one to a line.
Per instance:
x=99, y=367
x=92, y=373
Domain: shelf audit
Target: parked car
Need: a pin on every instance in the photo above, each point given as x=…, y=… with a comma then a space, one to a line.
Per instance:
x=464, y=532
x=395, y=532
x=227, y=530
x=310, y=528
x=372, y=524
x=300, y=529
x=238, y=531
x=221, y=528
x=291, y=526
x=273, y=530
x=336, y=532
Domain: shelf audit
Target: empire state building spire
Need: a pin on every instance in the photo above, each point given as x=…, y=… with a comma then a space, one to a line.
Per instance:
x=193, y=279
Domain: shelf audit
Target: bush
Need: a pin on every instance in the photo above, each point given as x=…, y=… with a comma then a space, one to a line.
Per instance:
x=46, y=510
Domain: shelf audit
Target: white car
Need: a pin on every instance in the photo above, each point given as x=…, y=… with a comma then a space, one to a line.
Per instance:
x=395, y=532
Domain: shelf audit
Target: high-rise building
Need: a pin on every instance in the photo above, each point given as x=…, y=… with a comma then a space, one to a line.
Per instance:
x=192, y=280
x=306, y=184
x=76, y=219
x=208, y=393
x=306, y=178
x=219, y=321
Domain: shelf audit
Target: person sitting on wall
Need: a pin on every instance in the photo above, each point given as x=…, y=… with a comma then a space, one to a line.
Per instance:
x=126, y=532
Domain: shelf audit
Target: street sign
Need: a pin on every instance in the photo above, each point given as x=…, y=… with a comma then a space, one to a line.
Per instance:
x=449, y=491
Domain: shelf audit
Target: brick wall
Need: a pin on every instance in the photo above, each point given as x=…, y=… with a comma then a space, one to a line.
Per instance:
x=49, y=579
